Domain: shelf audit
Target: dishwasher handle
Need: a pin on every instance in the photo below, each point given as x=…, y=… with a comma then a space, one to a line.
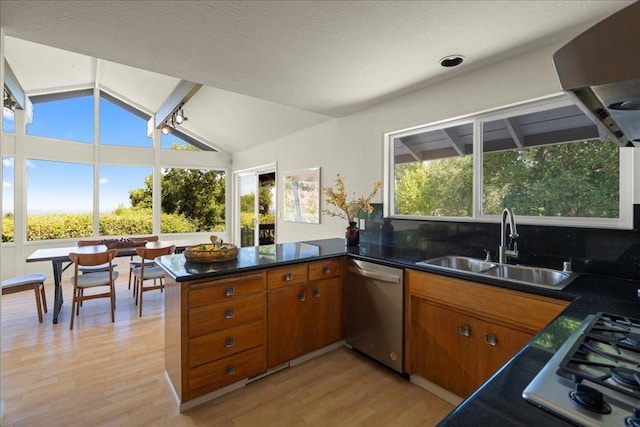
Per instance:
x=374, y=275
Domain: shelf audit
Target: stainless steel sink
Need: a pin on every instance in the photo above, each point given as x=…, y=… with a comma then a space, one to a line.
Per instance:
x=536, y=276
x=532, y=276
x=454, y=262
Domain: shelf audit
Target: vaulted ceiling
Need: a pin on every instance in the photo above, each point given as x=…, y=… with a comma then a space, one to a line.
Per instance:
x=271, y=68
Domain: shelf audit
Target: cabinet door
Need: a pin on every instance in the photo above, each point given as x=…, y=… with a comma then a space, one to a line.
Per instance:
x=444, y=347
x=497, y=344
x=324, y=321
x=286, y=328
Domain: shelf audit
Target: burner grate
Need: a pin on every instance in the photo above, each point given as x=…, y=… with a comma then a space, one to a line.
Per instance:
x=606, y=353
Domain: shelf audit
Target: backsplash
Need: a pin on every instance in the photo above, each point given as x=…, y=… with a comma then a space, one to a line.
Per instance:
x=607, y=252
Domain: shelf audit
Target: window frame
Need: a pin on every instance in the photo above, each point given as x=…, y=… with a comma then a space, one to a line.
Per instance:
x=626, y=162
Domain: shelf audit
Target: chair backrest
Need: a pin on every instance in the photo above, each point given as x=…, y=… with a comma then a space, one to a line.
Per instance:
x=89, y=243
x=88, y=259
x=153, y=253
x=144, y=239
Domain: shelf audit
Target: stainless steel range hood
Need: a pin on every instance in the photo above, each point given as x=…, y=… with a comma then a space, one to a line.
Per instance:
x=600, y=70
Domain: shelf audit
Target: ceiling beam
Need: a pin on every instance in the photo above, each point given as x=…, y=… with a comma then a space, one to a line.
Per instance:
x=411, y=151
x=455, y=142
x=182, y=93
x=515, y=132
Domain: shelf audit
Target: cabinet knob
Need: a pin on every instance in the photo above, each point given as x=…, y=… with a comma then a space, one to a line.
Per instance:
x=464, y=330
x=230, y=370
x=229, y=291
x=326, y=270
x=228, y=314
x=490, y=339
x=316, y=292
x=301, y=297
x=229, y=343
x=288, y=277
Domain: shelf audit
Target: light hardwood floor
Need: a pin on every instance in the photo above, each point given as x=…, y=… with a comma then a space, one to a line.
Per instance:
x=112, y=374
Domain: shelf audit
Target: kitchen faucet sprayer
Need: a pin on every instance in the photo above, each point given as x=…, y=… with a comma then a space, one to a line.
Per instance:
x=503, y=250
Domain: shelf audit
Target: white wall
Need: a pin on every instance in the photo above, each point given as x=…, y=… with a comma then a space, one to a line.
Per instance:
x=353, y=145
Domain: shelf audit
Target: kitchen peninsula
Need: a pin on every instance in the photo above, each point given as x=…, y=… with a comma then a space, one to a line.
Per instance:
x=296, y=268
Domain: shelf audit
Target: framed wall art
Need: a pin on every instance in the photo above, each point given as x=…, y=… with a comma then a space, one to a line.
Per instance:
x=302, y=196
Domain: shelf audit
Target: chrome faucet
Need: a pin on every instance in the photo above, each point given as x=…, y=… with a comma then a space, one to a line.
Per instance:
x=503, y=250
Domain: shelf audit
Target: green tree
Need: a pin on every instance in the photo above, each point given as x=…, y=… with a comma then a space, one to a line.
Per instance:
x=195, y=194
x=573, y=180
x=437, y=188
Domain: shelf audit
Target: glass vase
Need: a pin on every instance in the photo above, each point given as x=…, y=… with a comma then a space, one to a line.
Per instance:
x=352, y=235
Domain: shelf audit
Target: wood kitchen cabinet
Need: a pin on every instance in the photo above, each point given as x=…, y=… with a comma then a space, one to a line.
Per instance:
x=304, y=309
x=215, y=332
x=459, y=332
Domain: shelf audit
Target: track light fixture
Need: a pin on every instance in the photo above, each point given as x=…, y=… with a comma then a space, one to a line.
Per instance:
x=175, y=119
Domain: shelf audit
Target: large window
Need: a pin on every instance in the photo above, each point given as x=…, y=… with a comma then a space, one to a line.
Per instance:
x=59, y=200
x=545, y=161
x=7, y=199
x=434, y=172
x=121, y=124
x=193, y=200
x=119, y=189
x=63, y=116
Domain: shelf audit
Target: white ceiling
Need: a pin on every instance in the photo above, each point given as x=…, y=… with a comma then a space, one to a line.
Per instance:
x=271, y=68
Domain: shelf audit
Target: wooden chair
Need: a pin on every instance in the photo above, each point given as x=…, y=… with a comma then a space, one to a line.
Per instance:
x=28, y=282
x=146, y=272
x=93, y=280
x=94, y=268
x=135, y=263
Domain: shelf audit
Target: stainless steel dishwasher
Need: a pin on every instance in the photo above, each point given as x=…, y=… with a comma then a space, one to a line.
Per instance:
x=374, y=300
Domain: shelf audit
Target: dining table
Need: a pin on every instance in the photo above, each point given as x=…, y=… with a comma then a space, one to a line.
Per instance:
x=59, y=258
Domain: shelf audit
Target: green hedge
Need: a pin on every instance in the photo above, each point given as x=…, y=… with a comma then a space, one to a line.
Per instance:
x=121, y=222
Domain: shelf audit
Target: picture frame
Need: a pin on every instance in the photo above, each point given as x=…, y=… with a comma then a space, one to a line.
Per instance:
x=301, y=196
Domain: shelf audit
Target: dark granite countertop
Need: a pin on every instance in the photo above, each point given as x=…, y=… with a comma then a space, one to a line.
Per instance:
x=252, y=258
x=496, y=403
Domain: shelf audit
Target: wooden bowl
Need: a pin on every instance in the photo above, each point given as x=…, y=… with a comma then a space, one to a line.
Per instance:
x=211, y=253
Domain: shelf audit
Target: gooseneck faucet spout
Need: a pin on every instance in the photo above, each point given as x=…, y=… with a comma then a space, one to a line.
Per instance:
x=503, y=250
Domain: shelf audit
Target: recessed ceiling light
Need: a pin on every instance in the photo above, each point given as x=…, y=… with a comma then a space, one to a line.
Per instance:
x=451, y=61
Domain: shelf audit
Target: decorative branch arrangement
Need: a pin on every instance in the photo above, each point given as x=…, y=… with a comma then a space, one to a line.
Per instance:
x=348, y=209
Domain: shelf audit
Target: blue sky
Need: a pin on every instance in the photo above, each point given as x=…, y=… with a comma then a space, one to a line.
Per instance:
x=49, y=183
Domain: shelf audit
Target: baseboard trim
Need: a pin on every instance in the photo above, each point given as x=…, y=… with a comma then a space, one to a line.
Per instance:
x=437, y=390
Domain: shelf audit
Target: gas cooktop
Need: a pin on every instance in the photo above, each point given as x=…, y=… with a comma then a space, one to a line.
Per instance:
x=594, y=378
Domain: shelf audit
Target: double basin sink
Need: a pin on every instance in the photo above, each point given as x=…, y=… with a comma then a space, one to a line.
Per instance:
x=524, y=275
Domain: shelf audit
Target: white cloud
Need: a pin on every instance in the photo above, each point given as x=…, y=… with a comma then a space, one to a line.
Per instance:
x=7, y=162
x=30, y=164
x=103, y=181
x=6, y=184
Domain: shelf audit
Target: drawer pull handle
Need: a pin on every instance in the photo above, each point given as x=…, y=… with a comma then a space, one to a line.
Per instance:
x=301, y=297
x=229, y=343
x=491, y=339
x=316, y=292
x=326, y=270
x=228, y=314
x=230, y=370
x=229, y=291
x=288, y=277
x=465, y=330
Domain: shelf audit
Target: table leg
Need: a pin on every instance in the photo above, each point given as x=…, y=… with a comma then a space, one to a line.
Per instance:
x=57, y=279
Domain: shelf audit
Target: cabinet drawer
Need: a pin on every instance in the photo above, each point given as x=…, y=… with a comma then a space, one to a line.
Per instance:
x=221, y=344
x=527, y=312
x=215, y=375
x=219, y=290
x=210, y=318
x=285, y=276
x=319, y=270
